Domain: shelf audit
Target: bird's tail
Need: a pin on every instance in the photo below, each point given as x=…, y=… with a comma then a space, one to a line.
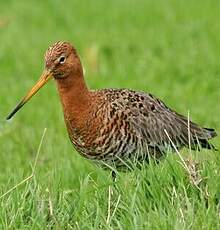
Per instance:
x=203, y=140
x=199, y=136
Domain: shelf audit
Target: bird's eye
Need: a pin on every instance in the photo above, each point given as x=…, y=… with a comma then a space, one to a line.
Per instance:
x=62, y=59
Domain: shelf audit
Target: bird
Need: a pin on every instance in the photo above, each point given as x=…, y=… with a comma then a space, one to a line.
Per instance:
x=114, y=126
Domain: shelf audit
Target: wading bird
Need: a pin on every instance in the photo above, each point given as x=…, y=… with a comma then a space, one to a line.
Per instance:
x=113, y=126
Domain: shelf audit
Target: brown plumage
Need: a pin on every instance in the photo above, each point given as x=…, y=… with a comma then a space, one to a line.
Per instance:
x=114, y=125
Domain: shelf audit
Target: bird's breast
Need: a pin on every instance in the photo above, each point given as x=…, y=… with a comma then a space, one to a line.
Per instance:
x=83, y=131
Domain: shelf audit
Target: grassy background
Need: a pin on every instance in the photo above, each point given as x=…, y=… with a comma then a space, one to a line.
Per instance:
x=169, y=48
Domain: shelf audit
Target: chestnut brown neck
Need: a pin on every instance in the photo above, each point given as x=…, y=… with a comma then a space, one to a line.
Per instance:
x=74, y=95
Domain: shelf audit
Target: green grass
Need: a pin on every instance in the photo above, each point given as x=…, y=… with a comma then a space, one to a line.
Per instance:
x=169, y=48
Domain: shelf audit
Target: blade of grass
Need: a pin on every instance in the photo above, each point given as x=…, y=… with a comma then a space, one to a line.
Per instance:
x=33, y=170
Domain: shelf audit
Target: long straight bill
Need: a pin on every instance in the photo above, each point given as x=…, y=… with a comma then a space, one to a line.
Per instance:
x=45, y=77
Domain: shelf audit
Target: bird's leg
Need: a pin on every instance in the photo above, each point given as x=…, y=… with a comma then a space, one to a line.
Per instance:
x=114, y=176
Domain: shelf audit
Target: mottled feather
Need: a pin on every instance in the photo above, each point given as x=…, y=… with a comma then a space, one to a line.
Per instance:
x=133, y=125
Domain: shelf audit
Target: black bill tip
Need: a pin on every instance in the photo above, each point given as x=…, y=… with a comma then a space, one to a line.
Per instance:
x=19, y=105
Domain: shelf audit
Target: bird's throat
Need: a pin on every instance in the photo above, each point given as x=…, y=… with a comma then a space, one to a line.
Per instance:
x=74, y=95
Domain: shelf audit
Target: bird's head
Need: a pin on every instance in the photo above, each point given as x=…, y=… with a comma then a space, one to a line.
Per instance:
x=61, y=61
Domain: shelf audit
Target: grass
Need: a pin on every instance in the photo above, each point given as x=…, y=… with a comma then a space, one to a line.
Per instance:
x=169, y=48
